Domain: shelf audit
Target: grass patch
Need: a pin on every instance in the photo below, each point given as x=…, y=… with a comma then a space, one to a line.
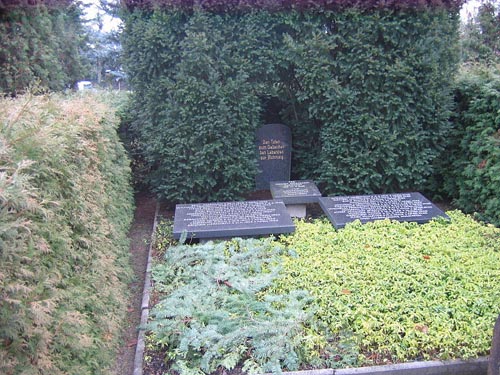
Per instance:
x=367, y=294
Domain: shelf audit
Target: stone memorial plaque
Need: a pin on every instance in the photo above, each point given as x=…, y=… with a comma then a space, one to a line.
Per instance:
x=231, y=219
x=295, y=192
x=274, y=148
x=411, y=207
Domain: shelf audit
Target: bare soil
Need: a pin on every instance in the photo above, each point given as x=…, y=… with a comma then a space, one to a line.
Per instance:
x=140, y=236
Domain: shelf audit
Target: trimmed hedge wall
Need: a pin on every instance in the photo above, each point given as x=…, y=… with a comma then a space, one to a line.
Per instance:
x=471, y=168
x=367, y=92
x=195, y=101
x=66, y=206
x=374, y=96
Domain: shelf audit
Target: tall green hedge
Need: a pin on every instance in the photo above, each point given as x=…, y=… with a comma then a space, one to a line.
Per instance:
x=367, y=92
x=65, y=209
x=472, y=171
x=378, y=85
x=40, y=44
x=196, y=83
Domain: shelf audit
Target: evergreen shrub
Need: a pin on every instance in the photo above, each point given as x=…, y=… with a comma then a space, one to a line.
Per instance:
x=367, y=91
x=472, y=178
x=40, y=45
x=196, y=84
x=378, y=293
x=375, y=99
x=215, y=312
x=66, y=206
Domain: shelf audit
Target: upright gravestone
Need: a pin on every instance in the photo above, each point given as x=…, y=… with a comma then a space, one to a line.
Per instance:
x=274, y=147
x=411, y=207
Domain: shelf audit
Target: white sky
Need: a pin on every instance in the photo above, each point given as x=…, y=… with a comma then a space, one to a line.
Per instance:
x=109, y=23
x=469, y=9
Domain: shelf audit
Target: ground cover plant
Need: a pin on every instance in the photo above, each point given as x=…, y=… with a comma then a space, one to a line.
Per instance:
x=217, y=312
x=407, y=291
x=65, y=209
x=367, y=294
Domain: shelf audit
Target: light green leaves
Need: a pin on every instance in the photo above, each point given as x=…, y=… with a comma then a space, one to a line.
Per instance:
x=407, y=291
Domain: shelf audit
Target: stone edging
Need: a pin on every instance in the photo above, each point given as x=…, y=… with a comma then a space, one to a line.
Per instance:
x=456, y=367
x=139, y=349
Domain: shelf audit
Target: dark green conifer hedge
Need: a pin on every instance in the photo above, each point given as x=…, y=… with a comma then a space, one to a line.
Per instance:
x=40, y=45
x=471, y=164
x=366, y=90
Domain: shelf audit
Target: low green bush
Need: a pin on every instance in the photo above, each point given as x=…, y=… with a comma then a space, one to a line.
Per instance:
x=216, y=312
x=367, y=294
x=65, y=208
x=406, y=291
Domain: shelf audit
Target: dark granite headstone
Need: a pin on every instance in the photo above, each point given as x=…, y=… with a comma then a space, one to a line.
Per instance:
x=295, y=192
x=411, y=207
x=231, y=219
x=274, y=147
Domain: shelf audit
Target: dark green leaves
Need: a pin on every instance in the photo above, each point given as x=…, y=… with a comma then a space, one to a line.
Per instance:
x=473, y=168
x=366, y=93
x=40, y=46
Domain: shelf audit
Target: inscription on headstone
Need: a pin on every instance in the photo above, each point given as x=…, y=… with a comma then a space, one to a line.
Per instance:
x=411, y=207
x=295, y=192
x=231, y=219
x=274, y=148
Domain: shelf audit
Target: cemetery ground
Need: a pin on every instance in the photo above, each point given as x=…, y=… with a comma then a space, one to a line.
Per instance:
x=140, y=235
x=378, y=293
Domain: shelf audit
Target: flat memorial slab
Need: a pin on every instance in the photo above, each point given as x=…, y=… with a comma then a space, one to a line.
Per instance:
x=410, y=207
x=295, y=192
x=232, y=219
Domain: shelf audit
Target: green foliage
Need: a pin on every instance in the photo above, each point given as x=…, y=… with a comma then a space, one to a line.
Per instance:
x=481, y=35
x=367, y=294
x=366, y=92
x=40, y=45
x=381, y=96
x=164, y=238
x=472, y=168
x=407, y=291
x=66, y=207
x=217, y=313
x=196, y=101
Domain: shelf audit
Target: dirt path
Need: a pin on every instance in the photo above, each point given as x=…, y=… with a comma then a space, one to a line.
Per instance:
x=140, y=235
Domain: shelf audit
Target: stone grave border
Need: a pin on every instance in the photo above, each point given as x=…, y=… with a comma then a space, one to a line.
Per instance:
x=141, y=332
x=456, y=367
